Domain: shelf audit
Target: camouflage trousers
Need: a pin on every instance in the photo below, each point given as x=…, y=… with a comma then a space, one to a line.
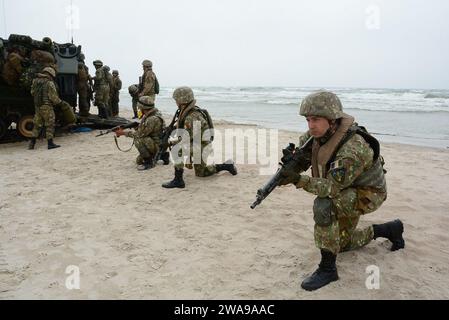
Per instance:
x=44, y=117
x=135, y=107
x=83, y=101
x=102, y=99
x=108, y=97
x=114, y=107
x=342, y=235
x=201, y=169
x=147, y=147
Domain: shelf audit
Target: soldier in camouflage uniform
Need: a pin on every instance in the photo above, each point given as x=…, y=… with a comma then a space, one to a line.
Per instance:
x=109, y=78
x=189, y=116
x=148, y=133
x=46, y=97
x=101, y=88
x=84, y=87
x=147, y=85
x=348, y=180
x=134, y=93
x=115, y=93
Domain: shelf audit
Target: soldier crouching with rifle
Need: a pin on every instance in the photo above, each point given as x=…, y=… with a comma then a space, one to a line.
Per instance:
x=186, y=117
x=347, y=178
x=148, y=133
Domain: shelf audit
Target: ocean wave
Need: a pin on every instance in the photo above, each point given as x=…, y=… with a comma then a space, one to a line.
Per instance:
x=437, y=96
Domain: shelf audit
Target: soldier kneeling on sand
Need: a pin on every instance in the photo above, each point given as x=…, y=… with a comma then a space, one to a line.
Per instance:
x=348, y=180
x=148, y=134
x=189, y=116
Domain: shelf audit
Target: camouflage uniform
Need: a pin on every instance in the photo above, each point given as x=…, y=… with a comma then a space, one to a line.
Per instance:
x=109, y=81
x=147, y=135
x=46, y=97
x=115, y=93
x=134, y=93
x=352, y=159
x=148, y=82
x=349, y=181
x=339, y=162
x=101, y=88
x=12, y=69
x=187, y=122
x=83, y=89
x=192, y=119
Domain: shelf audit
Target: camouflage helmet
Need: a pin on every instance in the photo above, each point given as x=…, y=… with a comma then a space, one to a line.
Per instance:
x=183, y=95
x=115, y=72
x=322, y=104
x=106, y=68
x=146, y=102
x=81, y=57
x=98, y=63
x=50, y=71
x=133, y=89
x=147, y=63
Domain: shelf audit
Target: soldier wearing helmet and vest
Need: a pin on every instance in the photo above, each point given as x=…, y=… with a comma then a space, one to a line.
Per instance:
x=84, y=87
x=148, y=133
x=109, y=81
x=43, y=90
x=348, y=180
x=101, y=89
x=189, y=116
x=134, y=93
x=115, y=93
x=149, y=85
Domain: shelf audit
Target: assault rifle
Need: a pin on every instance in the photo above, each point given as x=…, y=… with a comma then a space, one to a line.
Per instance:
x=296, y=159
x=123, y=126
x=165, y=137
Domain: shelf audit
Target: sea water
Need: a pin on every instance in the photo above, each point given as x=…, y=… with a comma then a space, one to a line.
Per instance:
x=409, y=116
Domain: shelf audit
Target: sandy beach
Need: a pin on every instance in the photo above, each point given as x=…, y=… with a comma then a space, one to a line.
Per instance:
x=86, y=205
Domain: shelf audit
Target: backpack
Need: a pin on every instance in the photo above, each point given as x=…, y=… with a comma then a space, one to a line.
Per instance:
x=208, y=118
x=210, y=123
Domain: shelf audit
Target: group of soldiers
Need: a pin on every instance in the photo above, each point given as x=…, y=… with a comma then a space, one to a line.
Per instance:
x=105, y=85
x=147, y=138
x=348, y=176
x=347, y=169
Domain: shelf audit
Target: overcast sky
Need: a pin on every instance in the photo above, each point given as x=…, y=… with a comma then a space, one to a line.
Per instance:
x=309, y=43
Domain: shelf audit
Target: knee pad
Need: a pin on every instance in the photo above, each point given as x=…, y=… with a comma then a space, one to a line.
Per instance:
x=322, y=212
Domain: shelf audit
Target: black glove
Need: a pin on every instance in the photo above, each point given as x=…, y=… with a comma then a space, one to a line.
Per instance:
x=289, y=177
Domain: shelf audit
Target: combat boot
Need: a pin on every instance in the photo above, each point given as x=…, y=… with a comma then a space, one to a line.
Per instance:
x=325, y=274
x=52, y=145
x=147, y=164
x=166, y=158
x=177, y=182
x=393, y=231
x=32, y=144
x=230, y=167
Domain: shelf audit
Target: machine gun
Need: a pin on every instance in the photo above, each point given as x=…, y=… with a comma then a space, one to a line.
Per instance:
x=125, y=126
x=295, y=159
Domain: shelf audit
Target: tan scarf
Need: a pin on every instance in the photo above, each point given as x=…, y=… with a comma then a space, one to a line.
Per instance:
x=184, y=112
x=321, y=155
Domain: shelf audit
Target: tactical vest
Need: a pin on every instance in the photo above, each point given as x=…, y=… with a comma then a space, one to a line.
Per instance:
x=156, y=136
x=101, y=82
x=83, y=75
x=41, y=92
x=206, y=116
x=323, y=156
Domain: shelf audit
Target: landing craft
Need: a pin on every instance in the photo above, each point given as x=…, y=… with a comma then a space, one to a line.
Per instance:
x=21, y=58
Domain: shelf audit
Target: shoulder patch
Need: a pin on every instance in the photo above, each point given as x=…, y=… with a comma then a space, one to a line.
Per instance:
x=336, y=165
x=338, y=174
